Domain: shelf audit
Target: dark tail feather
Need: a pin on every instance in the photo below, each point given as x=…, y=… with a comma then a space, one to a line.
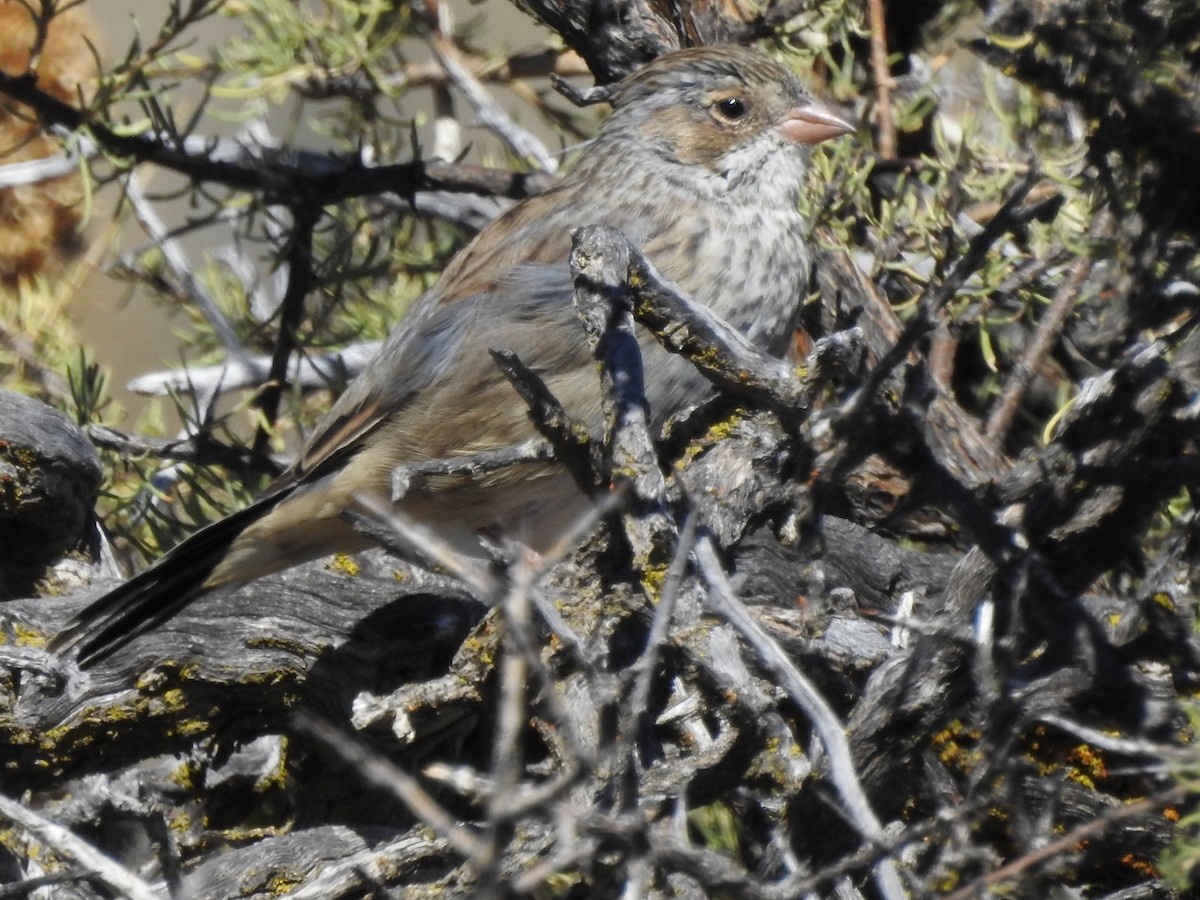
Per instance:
x=150, y=598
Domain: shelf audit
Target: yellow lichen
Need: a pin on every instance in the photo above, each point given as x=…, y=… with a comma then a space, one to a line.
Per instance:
x=343, y=563
x=25, y=636
x=956, y=746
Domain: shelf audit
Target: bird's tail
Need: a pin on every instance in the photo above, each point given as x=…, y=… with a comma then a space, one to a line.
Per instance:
x=152, y=597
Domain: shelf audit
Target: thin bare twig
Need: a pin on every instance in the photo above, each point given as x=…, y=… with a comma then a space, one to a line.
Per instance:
x=281, y=177
x=447, y=130
x=69, y=845
x=831, y=731
x=1068, y=842
x=883, y=80
x=643, y=671
x=510, y=71
x=29, y=885
x=511, y=721
x=572, y=442
x=182, y=267
x=379, y=770
x=375, y=862
x=199, y=448
x=474, y=465
x=1011, y=215
x=1049, y=328
x=312, y=371
x=300, y=279
x=490, y=114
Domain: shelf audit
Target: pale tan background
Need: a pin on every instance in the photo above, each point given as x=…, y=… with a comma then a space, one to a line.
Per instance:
x=126, y=331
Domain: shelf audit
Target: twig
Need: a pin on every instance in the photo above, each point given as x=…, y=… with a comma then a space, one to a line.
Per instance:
x=390, y=528
x=1113, y=744
x=379, y=770
x=1011, y=215
x=600, y=262
x=35, y=171
x=507, y=751
x=291, y=313
x=508, y=803
x=737, y=366
x=67, y=844
x=1068, y=843
x=572, y=442
x=379, y=862
x=282, y=177
x=470, y=466
x=800, y=689
x=29, y=885
x=182, y=268
x=600, y=93
x=509, y=71
x=720, y=352
x=311, y=371
x=470, y=212
x=644, y=670
x=199, y=448
x=447, y=130
x=490, y=114
x=1048, y=330
x=883, y=79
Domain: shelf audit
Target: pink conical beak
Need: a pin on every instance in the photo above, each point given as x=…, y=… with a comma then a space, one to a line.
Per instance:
x=811, y=123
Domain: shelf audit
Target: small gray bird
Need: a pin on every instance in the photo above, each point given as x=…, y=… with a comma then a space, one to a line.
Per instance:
x=700, y=164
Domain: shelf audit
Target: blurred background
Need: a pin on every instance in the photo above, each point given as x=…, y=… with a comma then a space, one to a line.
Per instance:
x=128, y=329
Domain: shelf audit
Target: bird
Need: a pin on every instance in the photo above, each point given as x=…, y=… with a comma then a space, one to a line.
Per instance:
x=701, y=163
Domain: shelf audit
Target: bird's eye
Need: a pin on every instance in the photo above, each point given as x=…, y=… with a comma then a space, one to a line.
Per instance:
x=731, y=108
